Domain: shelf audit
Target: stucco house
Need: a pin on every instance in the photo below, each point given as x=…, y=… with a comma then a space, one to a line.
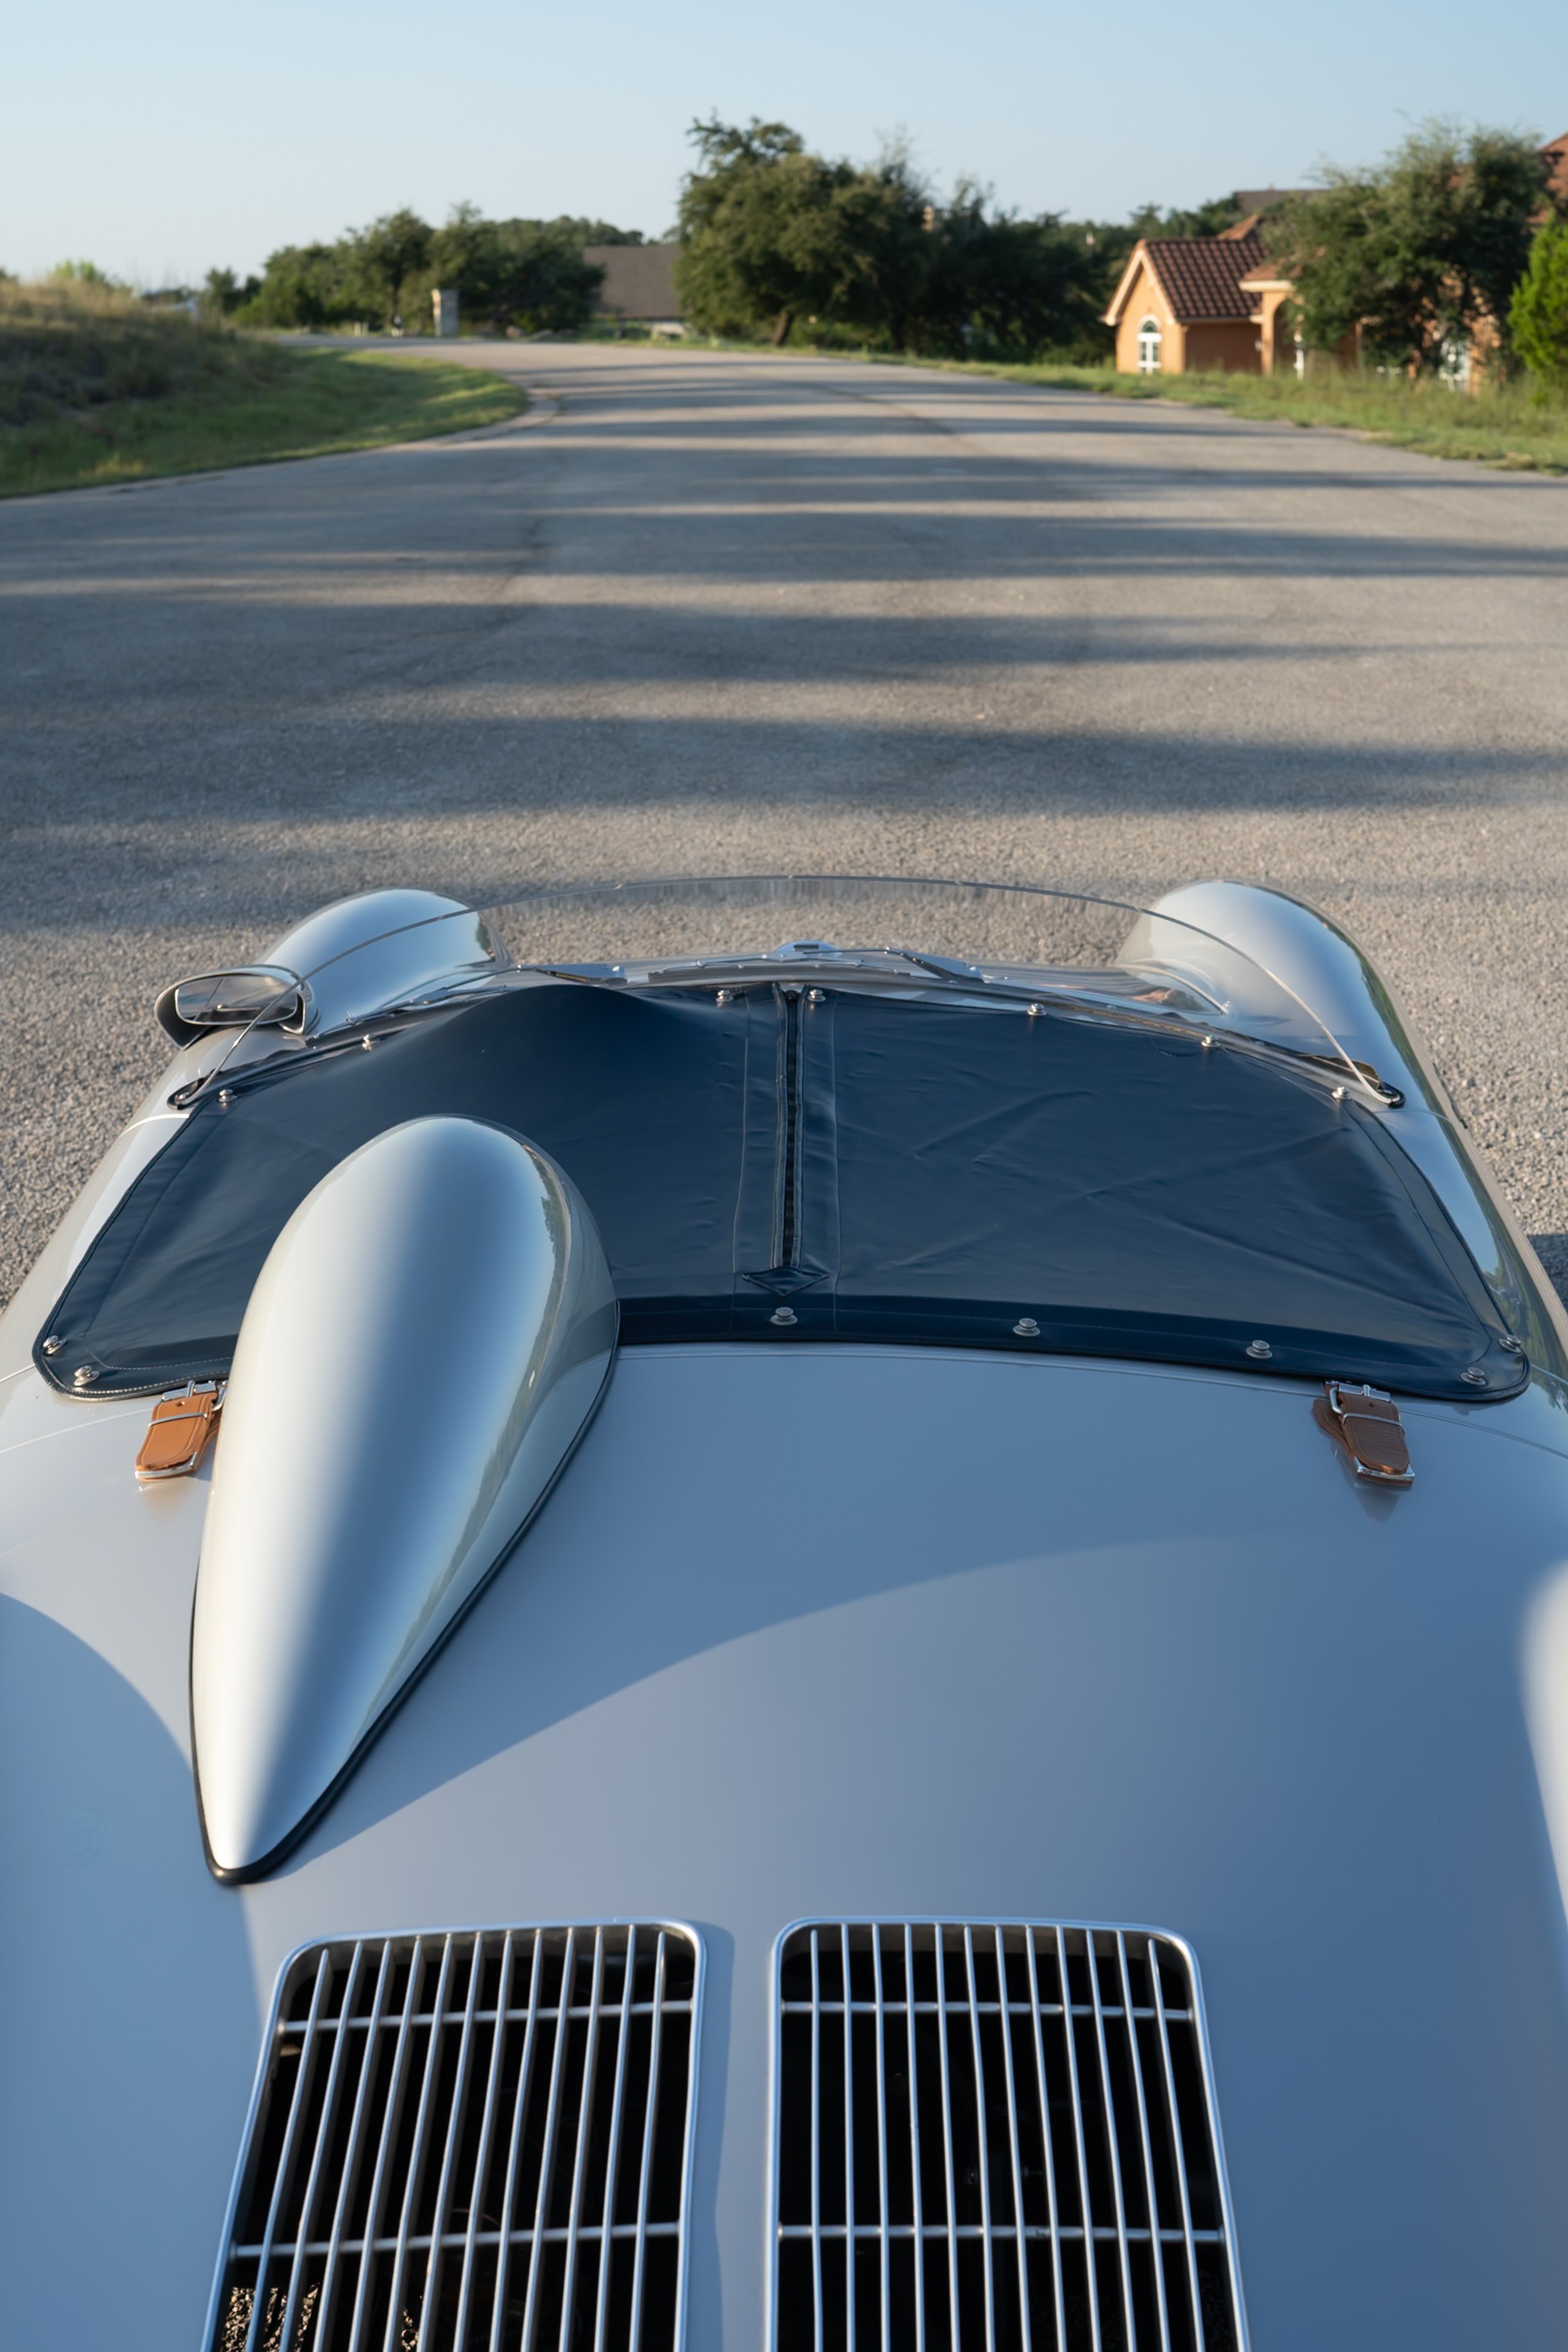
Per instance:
x=1186, y=302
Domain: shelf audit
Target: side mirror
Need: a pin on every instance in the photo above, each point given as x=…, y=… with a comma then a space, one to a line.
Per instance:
x=265, y=996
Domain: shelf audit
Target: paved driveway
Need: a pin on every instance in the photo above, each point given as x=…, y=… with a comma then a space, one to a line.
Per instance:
x=731, y=612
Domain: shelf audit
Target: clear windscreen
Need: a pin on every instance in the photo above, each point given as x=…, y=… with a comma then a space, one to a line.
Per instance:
x=656, y=921
x=1070, y=949
x=995, y=936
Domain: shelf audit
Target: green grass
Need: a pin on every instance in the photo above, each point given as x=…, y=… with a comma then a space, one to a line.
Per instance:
x=97, y=387
x=1508, y=426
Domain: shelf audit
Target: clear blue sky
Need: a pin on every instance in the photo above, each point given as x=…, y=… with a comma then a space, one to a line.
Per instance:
x=162, y=139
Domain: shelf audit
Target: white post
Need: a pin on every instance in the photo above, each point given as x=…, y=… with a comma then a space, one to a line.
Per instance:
x=443, y=303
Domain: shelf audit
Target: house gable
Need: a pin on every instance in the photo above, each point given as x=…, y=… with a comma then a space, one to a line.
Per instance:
x=1139, y=298
x=1139, y=290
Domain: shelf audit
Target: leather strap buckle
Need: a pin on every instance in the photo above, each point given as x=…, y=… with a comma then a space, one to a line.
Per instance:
x=182, y=1424
x=1366, y=1421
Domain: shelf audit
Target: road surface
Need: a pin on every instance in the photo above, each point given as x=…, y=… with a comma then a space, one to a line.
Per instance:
x=730, y=613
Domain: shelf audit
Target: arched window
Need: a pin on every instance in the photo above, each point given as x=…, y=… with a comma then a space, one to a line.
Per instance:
x=1149, y=346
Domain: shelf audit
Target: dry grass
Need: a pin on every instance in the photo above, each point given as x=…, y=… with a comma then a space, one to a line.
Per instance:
x=97, y=386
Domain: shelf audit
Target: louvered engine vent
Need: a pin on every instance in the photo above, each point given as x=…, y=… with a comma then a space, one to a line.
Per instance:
x=470, y=2141
x=997, y=2138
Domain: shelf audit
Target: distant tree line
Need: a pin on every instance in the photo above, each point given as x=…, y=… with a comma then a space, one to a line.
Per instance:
x=777, y=242
x=1454, y=240
x=530, y=275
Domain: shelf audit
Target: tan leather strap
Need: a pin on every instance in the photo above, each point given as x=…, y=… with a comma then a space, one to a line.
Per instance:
x=1366, y=1422
x=182, y=1425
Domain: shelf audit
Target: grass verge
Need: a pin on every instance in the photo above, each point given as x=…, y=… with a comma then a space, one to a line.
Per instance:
x=97, y=387
x=1508, y=427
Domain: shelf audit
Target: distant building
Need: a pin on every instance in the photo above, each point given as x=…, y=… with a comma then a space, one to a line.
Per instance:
x=639, y=288
x=1183, y=303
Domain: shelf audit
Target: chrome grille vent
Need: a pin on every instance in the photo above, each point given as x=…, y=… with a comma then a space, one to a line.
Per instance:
x=470, y=2141
x=997, y=2138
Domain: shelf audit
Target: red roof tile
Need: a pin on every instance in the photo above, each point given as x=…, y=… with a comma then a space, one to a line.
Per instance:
x=1201, y=277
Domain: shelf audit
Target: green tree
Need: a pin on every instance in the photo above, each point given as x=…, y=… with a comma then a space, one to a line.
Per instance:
x=995, y=285
x=1196, y=220
x=1538, y=314
x=1420, y=254
x=771, y=233
x=461, y=254
x=223, y=293
x=595, y=232
x=543, y=285
x=302, y=286
x=762, y=237
x=526, y=274
x=523, y=273
x=387, y=262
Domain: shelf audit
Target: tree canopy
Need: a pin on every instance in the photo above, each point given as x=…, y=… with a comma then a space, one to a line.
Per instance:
x=526, y=274
x=224, y=293
x=771, y=233
x=1421, y=253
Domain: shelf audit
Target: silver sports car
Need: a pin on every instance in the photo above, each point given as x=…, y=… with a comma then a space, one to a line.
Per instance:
x=810, y=1611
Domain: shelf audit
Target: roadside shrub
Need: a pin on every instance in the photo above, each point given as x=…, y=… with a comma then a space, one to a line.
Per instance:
x=1538, y=314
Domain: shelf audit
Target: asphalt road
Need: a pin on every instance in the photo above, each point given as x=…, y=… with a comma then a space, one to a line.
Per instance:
x=726, y=613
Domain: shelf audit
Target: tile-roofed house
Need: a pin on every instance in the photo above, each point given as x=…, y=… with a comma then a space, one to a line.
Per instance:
x=1181, y=303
